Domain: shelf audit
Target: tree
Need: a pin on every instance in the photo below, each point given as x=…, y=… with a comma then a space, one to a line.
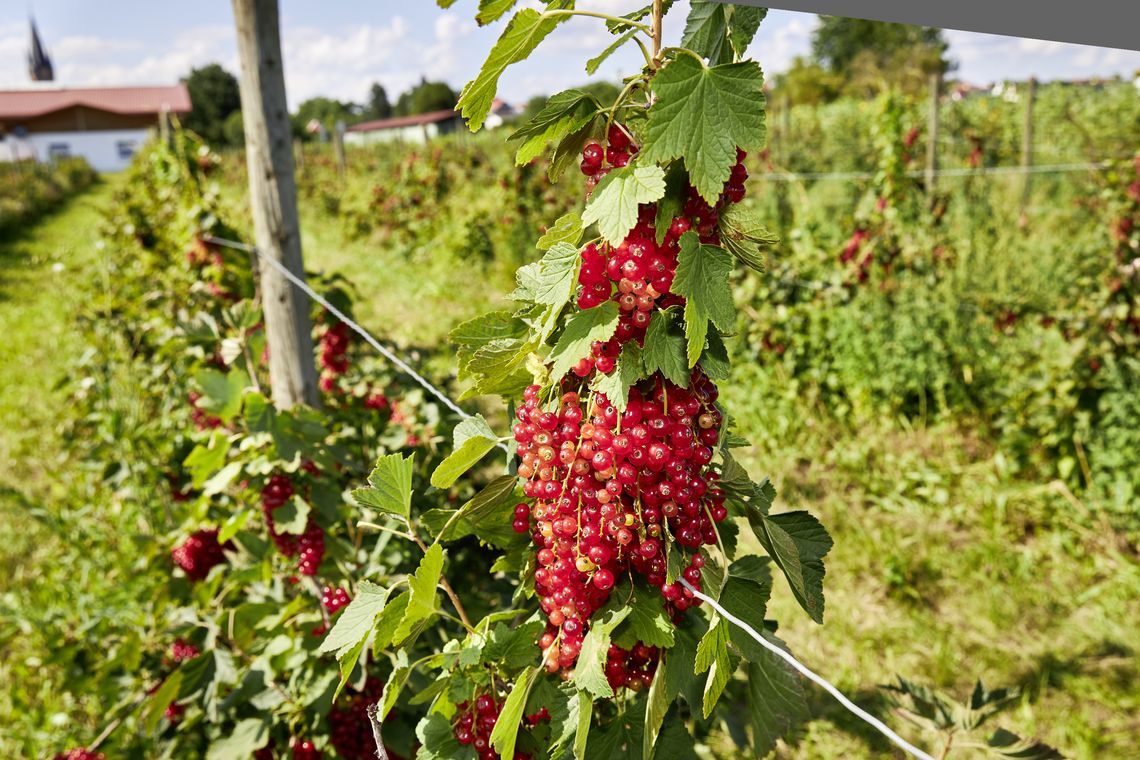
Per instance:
x=808, y=83
x=378, y=106
x=214, y=96
x=838, y=41
x=425, y=97
x=233, y=129
x=327, y=111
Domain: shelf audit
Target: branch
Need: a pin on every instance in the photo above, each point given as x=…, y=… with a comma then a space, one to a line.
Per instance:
x=370, y=711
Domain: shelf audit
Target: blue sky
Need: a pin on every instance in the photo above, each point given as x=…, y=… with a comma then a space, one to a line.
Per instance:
x=339, y=48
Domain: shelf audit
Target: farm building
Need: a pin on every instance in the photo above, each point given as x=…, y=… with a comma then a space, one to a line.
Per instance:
x=419, y=127
x=104, y=125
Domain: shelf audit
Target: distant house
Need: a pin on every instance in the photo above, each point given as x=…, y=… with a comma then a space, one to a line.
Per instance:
x=105, y=125
x=420, y=127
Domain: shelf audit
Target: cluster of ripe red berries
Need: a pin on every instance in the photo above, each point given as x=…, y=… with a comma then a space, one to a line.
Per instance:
x=334, y=355
x=349, y=725
x=620, y=149
x=334, y=599
x=309, y=547
x=199, y=554
x=305, y=750
x=475, y=721
x=79, y=753
x=202, y=419
x=632, y=668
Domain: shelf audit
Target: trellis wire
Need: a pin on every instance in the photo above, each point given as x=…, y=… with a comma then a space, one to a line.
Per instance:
x=807, y=673
x=314, y=295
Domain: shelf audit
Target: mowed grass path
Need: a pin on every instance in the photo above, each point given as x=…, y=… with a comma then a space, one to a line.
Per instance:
x=46, y=273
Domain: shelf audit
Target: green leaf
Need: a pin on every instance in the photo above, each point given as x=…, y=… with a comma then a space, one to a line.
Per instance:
x=292, y=517
x=161, y=699
x=461, y=460
x=204, y=460
x=492, y=10
x=248, y=736
x=221, y=394
x=389, y=620
x=743, y=25
x=499, y=491
x=671, y=203
x=589, y=673
x=390, y=486
x=743, y=235
x=664, y=350
x=523, y=34
x=797, y=542
x=622, y=736
x=775, y=700
x=746, y=600
x=715, y=363
x=569, y=150
x=346, y=663
x=593, y=64
x=557, y=274
x=582, y=730
x=568, y=229
x=355, y=623
x=563, y=115
x=222, y=479
x=613, y=206
x=706, y=31
x=674, y=673
x=233, y=524
x=702, y=278
x=471, y=335
x=438, y=742
x=393, y=686
x=471, y=427
x=506, y=730
x=422, y=603
x=702, y=115
x=628, y=369
x=512, y=647
x=501, y=368
x=1008, y=744
x=647, y=621
x=675, y=743
x=712, y=655
x=582, y=329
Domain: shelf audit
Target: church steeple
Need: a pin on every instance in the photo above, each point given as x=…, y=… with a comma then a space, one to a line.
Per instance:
x=39, y=64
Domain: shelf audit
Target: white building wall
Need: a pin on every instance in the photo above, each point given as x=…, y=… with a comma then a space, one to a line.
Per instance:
x=416, y=133
x=108, y=150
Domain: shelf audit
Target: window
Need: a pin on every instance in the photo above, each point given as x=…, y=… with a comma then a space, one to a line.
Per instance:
x=126, y=148
x=58, y=150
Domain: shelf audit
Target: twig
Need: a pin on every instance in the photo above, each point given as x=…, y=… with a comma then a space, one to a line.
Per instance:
x=370, y=711
x=656, y=31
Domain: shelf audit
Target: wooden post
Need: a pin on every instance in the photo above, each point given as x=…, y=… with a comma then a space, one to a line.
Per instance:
x=1027, y=143
x=785, y=132
x=932, y=141
x=338, y=148
x=165, y=133
x=273, y=198
x=299, y=152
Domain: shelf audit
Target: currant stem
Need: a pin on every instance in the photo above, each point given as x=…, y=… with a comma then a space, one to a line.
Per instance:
x=657, y=14
x=604, y=16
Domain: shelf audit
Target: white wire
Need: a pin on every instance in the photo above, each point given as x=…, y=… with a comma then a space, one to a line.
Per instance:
x=384, y=351
x=965, y=172
x=851, y=706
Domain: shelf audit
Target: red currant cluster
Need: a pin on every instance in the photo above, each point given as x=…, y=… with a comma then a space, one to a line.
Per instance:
x=631, y=668
x=376, y=401
x=334, y=599
x=618, y=153
x=182, y=650
x=349, y=725
x=309, y=547
x=611, y=490
x=475, y=721
x=334, y=355
x=202, y=419
x=199, y=553
x=79, y=753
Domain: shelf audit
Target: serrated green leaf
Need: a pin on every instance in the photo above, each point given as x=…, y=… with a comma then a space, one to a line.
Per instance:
x=221, y=393
x=501, y=368
x=676, y=743
x=390, y=486
x=292, y=517
x=664, y=349
x=628, y=370
x=346, y=663
x=222, y=479
x=569, y=149
x=568, y=229
x=438, y=742
x=161, y=699
x=744, y=235
x=355, y=622
x=499, y=491
x=563, y=115
x=613, y=206
x=506, y=730
x=593, y=64
x=393, y=686
x=702, y=115
x=776, y=700
x=582, y=329
x=248, y=736
x=523, y=34
x=647, y=621
x=746, y=600
x=205, y=459
x=797, y=542
x=622, y=736
x=471, y=427
x=423, y=601
x=706, y=31
x=743, y=25
x=492, y=10
x=389, y=620
x=461, y=460
x=674, y=673
x=233, y=524
x=1008, y=744
x=712, y=655
x=589, y=673
x=513, y=647
x=702, y=278
x=557, y=275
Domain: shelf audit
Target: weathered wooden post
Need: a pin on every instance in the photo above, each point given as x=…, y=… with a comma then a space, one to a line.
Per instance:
x=273, y=198
x=1027, y=143
x=932, y=141
x=338, y=148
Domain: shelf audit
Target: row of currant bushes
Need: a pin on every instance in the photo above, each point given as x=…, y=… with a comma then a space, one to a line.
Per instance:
x=225, y=543
x=28, y=188
x=949, y=307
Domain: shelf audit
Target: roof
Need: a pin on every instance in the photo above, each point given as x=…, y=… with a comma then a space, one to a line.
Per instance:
x=37, y=101
x=431, y=117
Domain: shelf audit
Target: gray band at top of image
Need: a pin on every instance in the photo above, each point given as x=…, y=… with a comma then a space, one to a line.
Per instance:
x=1105, y=23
